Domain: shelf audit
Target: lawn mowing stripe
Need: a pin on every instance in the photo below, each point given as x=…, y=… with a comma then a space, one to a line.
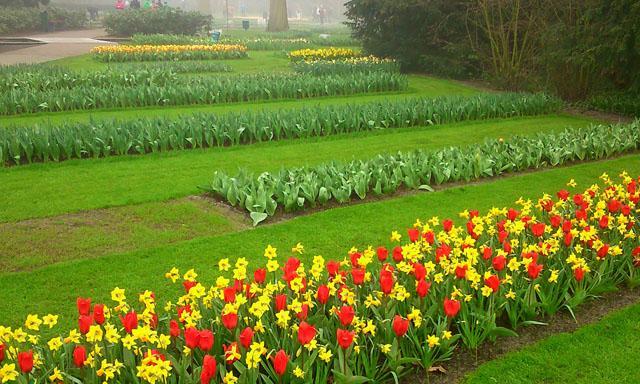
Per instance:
x=77, y=185
x=329, y=233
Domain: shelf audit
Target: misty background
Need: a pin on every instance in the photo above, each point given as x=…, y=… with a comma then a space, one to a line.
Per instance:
x=304, y=9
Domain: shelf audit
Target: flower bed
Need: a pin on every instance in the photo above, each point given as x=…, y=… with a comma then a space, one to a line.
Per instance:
x=330, y=53
x=297, y=189
x=350, y=65
x=376, y=314
x=198, y=90
x=122, y=53
x=113, y=137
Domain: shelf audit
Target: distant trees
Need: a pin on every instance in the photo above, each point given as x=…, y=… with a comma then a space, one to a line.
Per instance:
x=22, y=3
x=571, y=47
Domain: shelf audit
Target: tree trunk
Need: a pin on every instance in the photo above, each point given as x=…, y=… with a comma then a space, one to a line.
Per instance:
x=278, y=18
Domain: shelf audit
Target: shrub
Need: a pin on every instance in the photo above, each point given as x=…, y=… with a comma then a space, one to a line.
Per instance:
x=623, y=103
x=371, y=315
x=163, y=20
x=112, y=137
x=298, y=189
x=27, y=19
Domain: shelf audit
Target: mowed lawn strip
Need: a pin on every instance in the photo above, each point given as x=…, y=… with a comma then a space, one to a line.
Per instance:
x=48, y=189
x=329, y=233
x=418, y=86
x=605, y=352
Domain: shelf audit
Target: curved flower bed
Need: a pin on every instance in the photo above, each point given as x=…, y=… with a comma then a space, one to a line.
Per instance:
x=121, y=53
x=373, y=316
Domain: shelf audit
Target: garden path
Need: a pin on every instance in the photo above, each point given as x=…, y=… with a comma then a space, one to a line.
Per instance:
x=58, y=45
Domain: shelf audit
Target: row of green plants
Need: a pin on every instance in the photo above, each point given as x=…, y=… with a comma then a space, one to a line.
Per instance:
x=38, y=77
x=622, y=103
x=297, y=189
x=50, y=142
x=199, y=90
x=352, y=65
x=28, y=19
x=254, y=43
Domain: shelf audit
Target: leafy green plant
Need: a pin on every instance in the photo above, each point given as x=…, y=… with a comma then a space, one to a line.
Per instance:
x=112, y=137
x=197, y=90
x=297, y=189
x=163, y=20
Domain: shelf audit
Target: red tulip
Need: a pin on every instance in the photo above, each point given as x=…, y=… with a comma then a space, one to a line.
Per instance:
x=25, y=361
x=397, y=254
x=499, y=262
x=451, y=307
x=492, y=282
x=579, y=274
x=98, y=314
x=84, y=306
x=345, y=338
x=280, y=361
x=422, y=288
x=205, y=341
x=461, y=271
x=192, y=337
x=306, y=333
x=188, y=285
x=538, y=229
x=614, y=206
x=129, y=321
x=333, y=267
x=429, y=237
x=174, y=328
x=603, y=251
x=346, y=315
x=229, y=355
x=246, y=336
x=487, y=252
x=260, y=275
x=230, y=320
x=512, y=214
x=229, y=294
x=322, y=294
x=355, y=259
x=419, y=271
x=414, y=234
x=208, y=369
x=400, y=325
x=2, y=349
x=563, y=194
x=281, y=302
x=79, y=356
x=84, y=322
x=383, y=253
x=444, y=250
x=386, y=282
x=534, y=270
x=358, y=276
x=447, y=225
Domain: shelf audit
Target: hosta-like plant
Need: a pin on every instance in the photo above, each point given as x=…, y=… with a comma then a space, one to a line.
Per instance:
x=97, y=138
x=296, y=189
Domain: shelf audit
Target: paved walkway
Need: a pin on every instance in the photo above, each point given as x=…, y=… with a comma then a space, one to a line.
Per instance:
x=59, y=45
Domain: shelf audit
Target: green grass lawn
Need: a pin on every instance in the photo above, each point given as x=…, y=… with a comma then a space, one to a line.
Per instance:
x=330, y=233
x=76, y=185
x=605, y=352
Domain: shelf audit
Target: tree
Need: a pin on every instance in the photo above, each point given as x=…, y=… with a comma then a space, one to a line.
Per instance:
x=278, y=17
